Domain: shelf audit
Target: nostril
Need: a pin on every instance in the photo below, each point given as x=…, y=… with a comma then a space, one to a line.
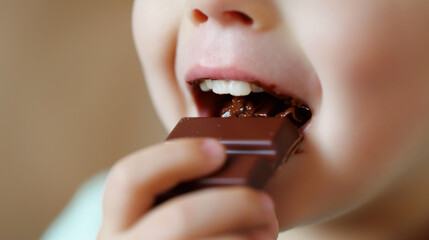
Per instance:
x=199, y=17
x=236, y=15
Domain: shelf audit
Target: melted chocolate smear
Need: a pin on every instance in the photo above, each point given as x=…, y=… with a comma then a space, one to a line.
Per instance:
x=265, y=105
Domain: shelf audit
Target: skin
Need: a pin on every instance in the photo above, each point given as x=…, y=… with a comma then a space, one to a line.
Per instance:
x=360, y=65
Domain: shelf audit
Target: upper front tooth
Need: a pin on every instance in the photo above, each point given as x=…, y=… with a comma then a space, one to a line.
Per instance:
x=238, y=88
x=220, y=86
x=235, y=88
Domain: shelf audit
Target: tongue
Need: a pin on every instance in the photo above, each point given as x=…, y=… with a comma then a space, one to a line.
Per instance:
x=265, y=105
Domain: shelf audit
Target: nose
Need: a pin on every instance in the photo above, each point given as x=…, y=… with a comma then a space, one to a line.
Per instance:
x=259, y=14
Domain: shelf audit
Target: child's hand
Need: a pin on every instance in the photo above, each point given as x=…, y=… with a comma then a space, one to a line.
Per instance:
x=220, y=213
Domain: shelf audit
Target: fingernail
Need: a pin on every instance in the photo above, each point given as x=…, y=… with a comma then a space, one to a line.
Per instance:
x=267, y=202
x=213, y=149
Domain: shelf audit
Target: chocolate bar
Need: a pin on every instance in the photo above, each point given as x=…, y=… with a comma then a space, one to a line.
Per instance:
x=256, y=148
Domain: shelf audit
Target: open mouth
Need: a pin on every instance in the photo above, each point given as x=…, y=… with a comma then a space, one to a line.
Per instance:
x=233, y=98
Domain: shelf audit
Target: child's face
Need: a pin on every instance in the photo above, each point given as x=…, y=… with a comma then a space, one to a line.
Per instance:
x=360, y=65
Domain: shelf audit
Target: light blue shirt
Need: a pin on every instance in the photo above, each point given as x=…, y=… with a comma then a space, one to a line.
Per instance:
x=81, y=219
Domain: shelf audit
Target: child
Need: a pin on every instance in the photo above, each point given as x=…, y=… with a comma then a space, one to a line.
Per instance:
x=361, y=66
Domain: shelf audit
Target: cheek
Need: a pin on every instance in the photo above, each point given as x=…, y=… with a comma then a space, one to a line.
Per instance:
x=343, y=37
x=155, y=27
x=355, y=48
x=373, y=106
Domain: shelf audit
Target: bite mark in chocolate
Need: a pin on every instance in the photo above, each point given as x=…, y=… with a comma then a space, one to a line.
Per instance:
x=265, y=105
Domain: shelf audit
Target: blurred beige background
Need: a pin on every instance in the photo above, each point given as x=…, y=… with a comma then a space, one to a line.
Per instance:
x=72, y=102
